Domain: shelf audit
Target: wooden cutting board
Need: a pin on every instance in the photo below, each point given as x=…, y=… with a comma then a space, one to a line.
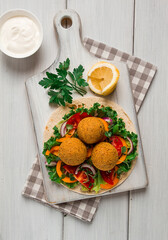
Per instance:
x=70, y=45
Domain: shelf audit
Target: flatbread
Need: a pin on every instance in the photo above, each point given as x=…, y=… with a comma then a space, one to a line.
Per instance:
x=57, y=115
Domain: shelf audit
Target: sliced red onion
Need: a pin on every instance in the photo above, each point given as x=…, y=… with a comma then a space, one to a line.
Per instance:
x=132, y=147
x=52, y=164
x=63, y=129
x=85, y=165
x=108, y=120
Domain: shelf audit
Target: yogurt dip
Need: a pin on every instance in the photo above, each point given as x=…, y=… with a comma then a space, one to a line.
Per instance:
x=20, y=36
x=21, y=33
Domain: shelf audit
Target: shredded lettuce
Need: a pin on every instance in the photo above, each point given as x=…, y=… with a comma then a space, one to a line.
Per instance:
x=84, y=189
x=97, y=181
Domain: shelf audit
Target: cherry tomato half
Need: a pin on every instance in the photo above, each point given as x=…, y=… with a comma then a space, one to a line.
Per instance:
x=76, y=118
x=117, y=143
x=108, y=176
x=81, y=176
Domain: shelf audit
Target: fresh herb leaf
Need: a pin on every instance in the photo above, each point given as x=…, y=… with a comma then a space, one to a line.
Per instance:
x=52, y=158
x=82, y=109
x=77, y=76
x=60, y=88
x=108, y=134
x=69, y=127
x=71, y=177
x=50, y=143
x=93, y=110
x=56, y=132
x=53, y=175
x=56, y=97
x=123, y=149
x=46, y=82
x=62, y=176
x=71, y=113
x=126, y=165
x=65, y=64
x=101, y=111
x=134, y=139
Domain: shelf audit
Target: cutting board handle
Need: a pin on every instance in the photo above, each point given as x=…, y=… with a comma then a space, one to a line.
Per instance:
x=69, y=38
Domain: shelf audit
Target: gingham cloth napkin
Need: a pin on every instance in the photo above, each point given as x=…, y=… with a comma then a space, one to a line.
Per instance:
x=141, y=76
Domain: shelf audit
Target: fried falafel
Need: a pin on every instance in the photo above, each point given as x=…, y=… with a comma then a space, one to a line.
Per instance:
x=90, y=130
x=72, y=151
x=104, y=156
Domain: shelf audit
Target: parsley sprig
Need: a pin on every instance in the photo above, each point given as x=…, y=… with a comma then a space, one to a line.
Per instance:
x=63, y=83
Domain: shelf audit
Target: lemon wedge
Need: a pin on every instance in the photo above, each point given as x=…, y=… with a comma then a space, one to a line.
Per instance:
x=102, y=78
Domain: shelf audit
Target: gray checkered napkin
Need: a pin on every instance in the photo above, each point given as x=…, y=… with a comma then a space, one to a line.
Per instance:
x=141, y=76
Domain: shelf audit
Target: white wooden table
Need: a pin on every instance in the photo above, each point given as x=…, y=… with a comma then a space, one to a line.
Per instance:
x=139, y=27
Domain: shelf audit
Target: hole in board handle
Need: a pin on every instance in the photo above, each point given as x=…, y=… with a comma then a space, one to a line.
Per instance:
x=66, y=22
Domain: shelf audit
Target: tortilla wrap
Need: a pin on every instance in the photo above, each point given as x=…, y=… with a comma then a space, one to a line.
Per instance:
x=57, y=115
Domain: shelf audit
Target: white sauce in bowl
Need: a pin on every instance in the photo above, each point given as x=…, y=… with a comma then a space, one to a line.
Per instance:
x=19, y=35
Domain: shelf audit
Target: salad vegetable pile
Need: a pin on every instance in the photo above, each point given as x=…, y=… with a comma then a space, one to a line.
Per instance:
x=86, y=174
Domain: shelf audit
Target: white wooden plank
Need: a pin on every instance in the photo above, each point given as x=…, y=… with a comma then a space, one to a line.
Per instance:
x=148, y=209
x=110, y=221
x=22, y=218
x=110, y=22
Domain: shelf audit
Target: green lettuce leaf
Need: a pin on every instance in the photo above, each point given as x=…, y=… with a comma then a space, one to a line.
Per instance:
x=97, y=181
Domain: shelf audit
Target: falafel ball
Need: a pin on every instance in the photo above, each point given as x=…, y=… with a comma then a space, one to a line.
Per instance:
x=104, y=156
x=72, y=151
x=90, y=130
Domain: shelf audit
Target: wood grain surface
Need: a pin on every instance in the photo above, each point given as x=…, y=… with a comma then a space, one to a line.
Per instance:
x=22, y=218
x=107, y=18
x=133, y=26
x=148, y=210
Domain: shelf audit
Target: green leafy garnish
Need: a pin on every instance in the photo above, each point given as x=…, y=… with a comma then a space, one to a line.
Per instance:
x=53, y=174
x=126, y=165
x=97, y=181
x=101, y=111
x=76, y=76
x=71, y=113
x=60, y=88
x=56, y=132
x=55, y=178
x=71, y=185
x=84, y=189
x=69, y=127
x=123, y=149
x=51, y=143
x=108, y=134
x=71, y=177
x=52, y=158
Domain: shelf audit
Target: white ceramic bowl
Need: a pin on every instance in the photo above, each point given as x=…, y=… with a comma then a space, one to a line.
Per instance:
x=25, y=13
